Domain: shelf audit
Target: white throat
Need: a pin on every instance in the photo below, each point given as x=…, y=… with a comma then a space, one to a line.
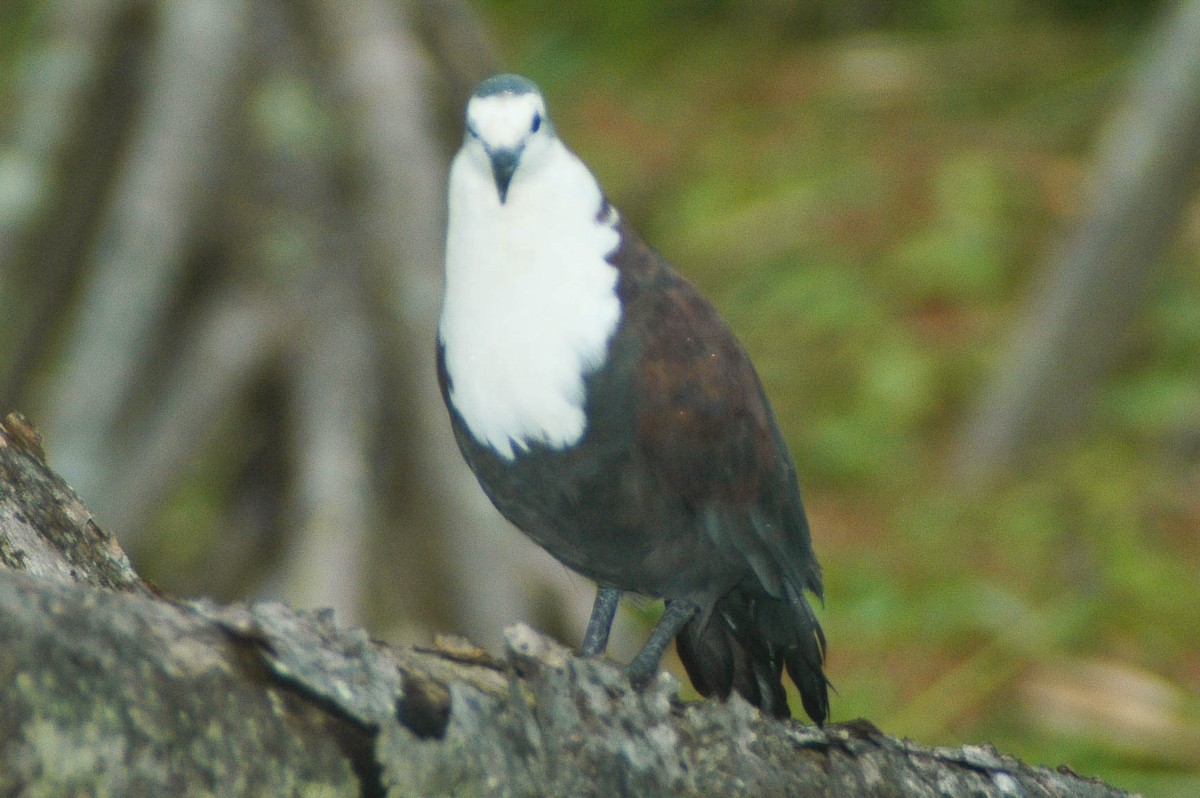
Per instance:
x=530, y=300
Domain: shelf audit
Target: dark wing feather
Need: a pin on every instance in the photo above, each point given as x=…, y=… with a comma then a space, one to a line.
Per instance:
x=706, y=429
x=705, y=426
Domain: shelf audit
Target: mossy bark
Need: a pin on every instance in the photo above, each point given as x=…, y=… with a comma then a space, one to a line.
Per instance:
x=109, y=688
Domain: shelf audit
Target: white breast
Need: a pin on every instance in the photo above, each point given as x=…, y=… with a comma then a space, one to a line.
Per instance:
x=530, y=301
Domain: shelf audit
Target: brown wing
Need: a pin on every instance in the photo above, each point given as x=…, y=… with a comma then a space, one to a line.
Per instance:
x=702, y=419
x=705, y=426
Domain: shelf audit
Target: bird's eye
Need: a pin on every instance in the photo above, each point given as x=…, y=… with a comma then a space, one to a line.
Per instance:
x=472, y=132
x=537, y=123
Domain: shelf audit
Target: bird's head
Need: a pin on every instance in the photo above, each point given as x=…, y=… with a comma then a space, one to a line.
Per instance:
x=507, y=129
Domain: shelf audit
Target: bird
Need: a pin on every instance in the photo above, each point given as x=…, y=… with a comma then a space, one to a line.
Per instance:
x=609, y=413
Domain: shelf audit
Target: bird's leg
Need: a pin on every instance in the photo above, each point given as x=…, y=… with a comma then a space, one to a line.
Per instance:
x=645, y=664
x=604, y=609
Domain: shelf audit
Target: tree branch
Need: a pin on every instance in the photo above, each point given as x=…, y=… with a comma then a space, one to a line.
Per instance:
x=112, y=688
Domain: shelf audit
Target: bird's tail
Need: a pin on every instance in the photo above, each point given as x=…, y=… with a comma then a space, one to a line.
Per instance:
x=747, y=641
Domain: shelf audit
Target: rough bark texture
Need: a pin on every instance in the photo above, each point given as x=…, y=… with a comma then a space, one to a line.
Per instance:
x=107, y=687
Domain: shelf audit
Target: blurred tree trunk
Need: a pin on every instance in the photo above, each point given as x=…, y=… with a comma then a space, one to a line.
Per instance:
x=221, y=253
x=1075, y=327
x=383, y=84
x=110, y=688
x=160, y=192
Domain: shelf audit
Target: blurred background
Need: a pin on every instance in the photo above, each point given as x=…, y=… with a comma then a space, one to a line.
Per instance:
x=961, y=241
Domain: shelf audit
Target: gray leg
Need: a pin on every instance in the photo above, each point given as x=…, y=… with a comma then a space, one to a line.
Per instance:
x=645, y=664
x=595, y=638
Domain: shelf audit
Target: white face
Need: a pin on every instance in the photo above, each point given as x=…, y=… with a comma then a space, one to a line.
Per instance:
x=504, y=120
x=507, y=121
x=530, y=301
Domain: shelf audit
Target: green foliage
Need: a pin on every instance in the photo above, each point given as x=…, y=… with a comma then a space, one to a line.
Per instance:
x=19, y=17
x=867, y=210
x=960, y=252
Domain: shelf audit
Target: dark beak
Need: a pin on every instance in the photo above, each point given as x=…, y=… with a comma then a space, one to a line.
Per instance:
x=504, y=163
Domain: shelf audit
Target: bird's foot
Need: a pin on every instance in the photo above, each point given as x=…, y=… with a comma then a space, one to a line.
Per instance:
x=645, y=665
x=604, y=609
